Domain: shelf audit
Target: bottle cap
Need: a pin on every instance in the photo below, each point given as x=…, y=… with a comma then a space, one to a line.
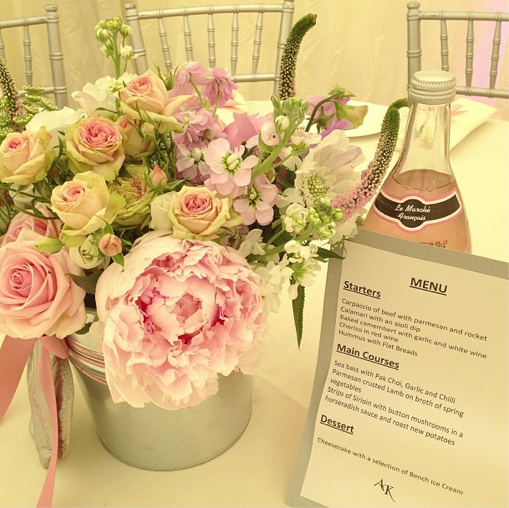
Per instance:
x=432, y=87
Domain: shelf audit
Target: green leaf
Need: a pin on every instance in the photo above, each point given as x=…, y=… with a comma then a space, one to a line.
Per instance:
x=298, y=313
x=119, y=258
x=328, y=254
x=84, y=330
x=86, y=282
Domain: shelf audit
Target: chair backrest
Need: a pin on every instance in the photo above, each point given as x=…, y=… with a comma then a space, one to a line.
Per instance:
x=58, y=88
x=414, y=51
x=284, y=10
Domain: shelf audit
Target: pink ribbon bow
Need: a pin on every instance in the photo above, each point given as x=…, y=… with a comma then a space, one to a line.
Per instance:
x=14, y=355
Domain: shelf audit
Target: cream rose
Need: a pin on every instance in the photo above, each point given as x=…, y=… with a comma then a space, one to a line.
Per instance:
x=84, y=205
x=25, y=157
x=138, y=139
x=199, y=213
x=95, y=144
x=146, y=98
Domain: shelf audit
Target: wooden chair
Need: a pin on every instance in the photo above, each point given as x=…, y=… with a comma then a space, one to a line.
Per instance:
x=414, y=50
x=284, y=10
x=58, y=87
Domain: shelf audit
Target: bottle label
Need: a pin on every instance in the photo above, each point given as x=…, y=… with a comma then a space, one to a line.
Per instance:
x=414, y=212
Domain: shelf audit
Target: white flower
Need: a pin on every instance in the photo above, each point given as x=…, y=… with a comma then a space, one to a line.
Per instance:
x=159, y=213
x=298, y=252
x=268, y=134
x=252, y=244
x=327, y=170
x=126, y=52
x=54, y=121
x=281, y=123
x=22, y=199
x=302, y=140
x=295, y=219
x=101, y=94
x=87, y=255
x=304, y=274
x=348, y=228
x=272, y=278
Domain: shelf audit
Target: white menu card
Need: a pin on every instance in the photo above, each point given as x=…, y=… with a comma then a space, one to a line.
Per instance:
x=410, y=402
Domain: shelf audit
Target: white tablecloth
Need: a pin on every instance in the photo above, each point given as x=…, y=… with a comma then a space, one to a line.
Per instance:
x=256, y=471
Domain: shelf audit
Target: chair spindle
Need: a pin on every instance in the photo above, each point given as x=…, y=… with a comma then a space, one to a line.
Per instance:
x=469, y=69
x=257, y=40
x=211, y=32
x=164, y=44
x=187, y=37
x=235, y=42
x=495, y=55
x=444, y=45
x=27, y=51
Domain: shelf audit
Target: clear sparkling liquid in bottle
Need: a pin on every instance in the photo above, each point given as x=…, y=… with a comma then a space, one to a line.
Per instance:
x=420, y=200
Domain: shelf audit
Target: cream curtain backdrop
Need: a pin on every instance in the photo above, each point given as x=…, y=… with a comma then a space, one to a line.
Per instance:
x=360, y=45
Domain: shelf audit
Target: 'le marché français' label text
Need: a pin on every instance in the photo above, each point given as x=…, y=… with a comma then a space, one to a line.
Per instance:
x=413, y=212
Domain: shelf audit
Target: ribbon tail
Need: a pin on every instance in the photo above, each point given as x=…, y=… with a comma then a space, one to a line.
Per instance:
x=58, y=347
x=13, y=358
x=48, y=387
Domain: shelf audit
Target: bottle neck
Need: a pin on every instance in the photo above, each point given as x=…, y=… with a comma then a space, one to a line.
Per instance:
x=427, y=136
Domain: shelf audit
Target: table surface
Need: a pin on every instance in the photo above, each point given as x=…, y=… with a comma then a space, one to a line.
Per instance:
x=256, y=471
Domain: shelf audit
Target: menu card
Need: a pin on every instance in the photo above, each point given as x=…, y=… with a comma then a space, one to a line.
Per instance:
x=410, y=402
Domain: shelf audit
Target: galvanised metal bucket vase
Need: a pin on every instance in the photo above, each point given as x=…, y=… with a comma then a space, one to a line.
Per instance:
x=155, y=438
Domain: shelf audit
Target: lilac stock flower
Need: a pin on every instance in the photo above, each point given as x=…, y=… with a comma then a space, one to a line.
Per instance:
x=229, y=173
x=184, y=74
x=257, y=205
x=191, y=163
x=196, y=125
x=220, y=87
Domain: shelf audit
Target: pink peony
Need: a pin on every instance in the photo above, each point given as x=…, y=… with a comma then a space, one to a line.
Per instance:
x=37, y=295
x=179, y=314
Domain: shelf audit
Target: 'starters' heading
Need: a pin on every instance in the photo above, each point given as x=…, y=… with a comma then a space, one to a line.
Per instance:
x=362, y=290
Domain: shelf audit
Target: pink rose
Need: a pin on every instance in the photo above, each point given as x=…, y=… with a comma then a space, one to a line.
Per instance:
x=25, y=157
x=110, y=245
x=157, y=177
x=95, y=144
x=179, y=314
x=47, y=228
x=146, y=98
x=37, y=295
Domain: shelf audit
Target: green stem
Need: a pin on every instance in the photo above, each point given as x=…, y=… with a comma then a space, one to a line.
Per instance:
x=216, y=103
x=315, y=110
x=275, y=237
x=262, y=167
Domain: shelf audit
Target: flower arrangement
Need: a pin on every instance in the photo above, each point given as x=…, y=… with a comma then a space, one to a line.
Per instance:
x=181, y=229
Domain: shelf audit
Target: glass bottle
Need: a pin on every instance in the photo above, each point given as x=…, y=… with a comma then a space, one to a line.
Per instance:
x=420, y=200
